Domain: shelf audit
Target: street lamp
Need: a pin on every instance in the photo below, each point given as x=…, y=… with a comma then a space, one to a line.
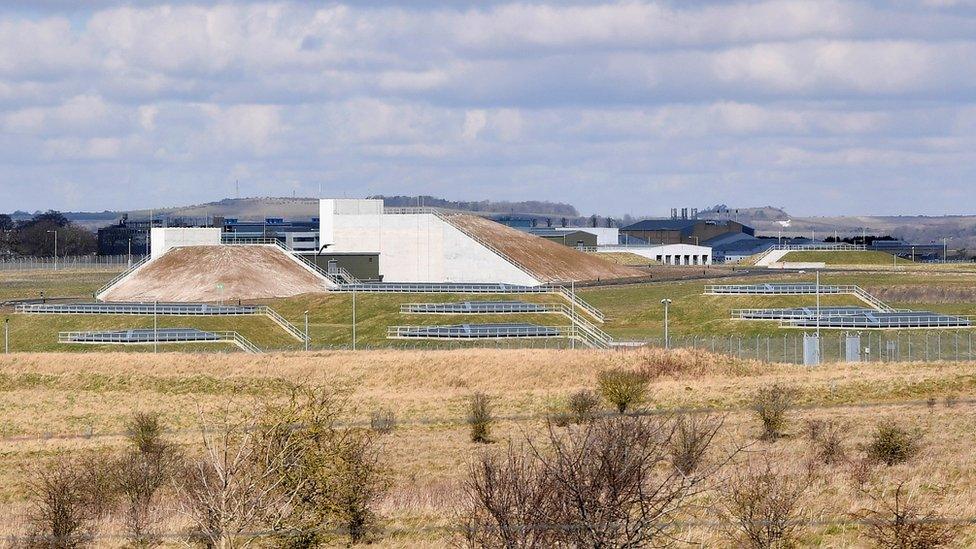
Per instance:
x=6, y=336
x=55, y=248
x=667, y=339
x=354, y=319
x=306, y=331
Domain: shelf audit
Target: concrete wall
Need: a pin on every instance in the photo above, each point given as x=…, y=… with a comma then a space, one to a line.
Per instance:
x=164, y=238
x=415, y=247
x=605, y=236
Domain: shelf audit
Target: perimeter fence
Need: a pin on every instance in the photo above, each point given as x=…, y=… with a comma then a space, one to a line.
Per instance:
x=69, y=263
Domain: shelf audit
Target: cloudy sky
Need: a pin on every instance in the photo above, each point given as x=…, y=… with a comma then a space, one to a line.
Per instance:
x=818, y=106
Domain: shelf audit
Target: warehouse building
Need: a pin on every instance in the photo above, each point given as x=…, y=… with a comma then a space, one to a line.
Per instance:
x=682, y=231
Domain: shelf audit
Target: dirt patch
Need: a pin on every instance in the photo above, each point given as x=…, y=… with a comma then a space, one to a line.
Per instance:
x=545, y=260
x=215, y=273
x=924, y=294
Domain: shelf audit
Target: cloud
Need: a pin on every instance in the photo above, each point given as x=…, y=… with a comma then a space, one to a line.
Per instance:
x=617, y=106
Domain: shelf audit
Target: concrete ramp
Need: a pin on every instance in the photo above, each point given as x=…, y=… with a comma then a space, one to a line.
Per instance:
x=544, y=260
x=217, y=273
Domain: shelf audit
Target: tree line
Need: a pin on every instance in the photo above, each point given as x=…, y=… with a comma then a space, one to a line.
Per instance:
x=35, y=237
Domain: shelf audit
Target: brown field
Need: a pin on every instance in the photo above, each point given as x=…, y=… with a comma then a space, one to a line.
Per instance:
x=62, y=394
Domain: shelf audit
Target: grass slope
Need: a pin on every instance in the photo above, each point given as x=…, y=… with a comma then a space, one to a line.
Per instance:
x=846, y=257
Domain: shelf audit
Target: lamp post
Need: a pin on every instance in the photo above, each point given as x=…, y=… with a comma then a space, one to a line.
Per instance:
x=155, y=328
x=667, y=338
x=6, y=336
x=354, y=319
x=55, y=248
x=306, y=331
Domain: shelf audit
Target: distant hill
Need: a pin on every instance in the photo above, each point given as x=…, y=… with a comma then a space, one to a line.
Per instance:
x=530, y=207
x=258, y=208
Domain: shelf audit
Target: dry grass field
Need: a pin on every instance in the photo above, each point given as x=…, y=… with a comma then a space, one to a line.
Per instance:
x=46, y=396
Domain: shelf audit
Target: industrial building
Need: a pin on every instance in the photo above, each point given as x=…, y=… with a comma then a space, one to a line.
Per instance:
x=682, y=231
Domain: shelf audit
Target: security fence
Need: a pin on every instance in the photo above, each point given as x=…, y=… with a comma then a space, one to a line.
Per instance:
x=69, y=263
x=867, y=346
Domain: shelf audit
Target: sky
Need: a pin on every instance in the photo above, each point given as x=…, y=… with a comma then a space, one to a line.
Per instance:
x=821, y=107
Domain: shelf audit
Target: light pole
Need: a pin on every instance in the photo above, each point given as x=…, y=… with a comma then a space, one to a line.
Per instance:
x=354, y=319
x=155, y=329
x=306, y=331
x=945, y=250
x=130, y=253
x=667, y=338
x=6, y=336
x=55, y=248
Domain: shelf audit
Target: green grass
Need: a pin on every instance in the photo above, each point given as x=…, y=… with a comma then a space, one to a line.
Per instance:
x=846, y=257
x=634, y=311
x=30, y=284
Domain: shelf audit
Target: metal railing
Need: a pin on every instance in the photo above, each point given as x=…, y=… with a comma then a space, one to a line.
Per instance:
x=574, y=298
x=447, y=218
x=69, y=262
x=798, y=289
x=161, y=309
x=160, y=338
x=872, y=322
x=458, y=332
x=585, y=330
x=786, y=314
x=442, y=288
x=122, y=275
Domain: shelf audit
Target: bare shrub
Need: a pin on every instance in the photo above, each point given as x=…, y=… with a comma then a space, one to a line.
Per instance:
x=480, y=418
x=892, y=444
x=583, y=405
x=509, y=502
x=828, y=442
x=622, y=388
x=762, y=504
x=860, y=471
x=693, y=436
x=607, y=483
x=897, y=521
x=383, y=421
x=772, y=405
x=141, y=474
x=951, y=400
x=60, y=514
x=236, y=484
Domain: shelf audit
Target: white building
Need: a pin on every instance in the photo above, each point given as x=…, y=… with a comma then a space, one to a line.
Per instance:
x=164, y=238
x=667, y=254
x=414, y=245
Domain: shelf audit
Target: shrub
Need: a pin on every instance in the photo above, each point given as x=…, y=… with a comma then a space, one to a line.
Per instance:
x=892, y=444
x=772, y=405
x=828, y=442
x=693, y=435
x=622, y=388
x=61, y=511
x=480, y=418
x=504, y=493
x=583, y=405
x=607, y=475
x=382, y=421
x=897, y=521
x=762, y=505
x=291, y=469
x=141, y=474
